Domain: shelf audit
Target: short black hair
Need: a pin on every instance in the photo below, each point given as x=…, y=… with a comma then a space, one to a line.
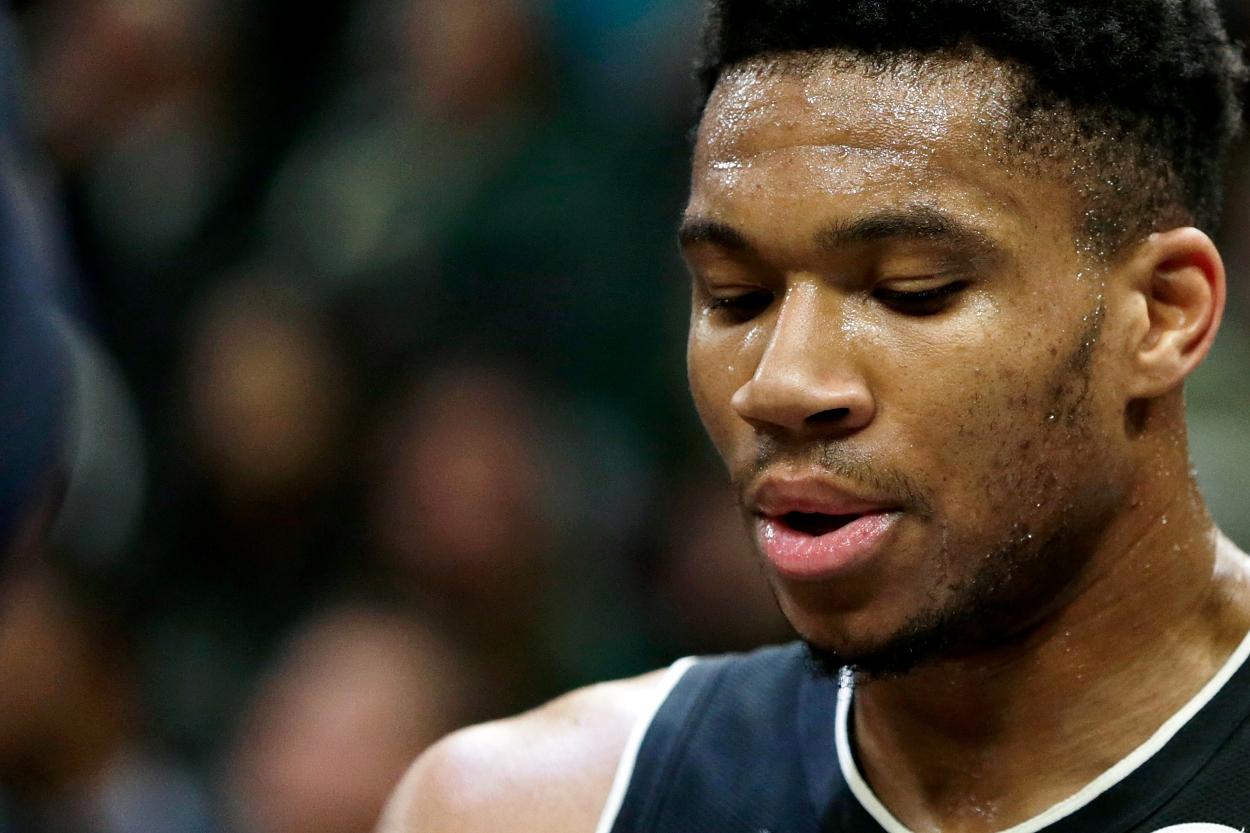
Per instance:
x=1158, y=80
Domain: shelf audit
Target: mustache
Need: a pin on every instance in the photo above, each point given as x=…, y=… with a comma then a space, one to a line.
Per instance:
x=833, y=458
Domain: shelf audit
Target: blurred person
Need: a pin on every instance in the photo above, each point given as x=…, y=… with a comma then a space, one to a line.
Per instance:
x=72, y=756
x=459, y=507
x=513, y=518
x=451, y=195
x=468, y=59
x=133, y=102
x=129, y=96
x=950, y=275
x=353, y=697
x=73, y=751
x=261, y=519
x=268, y=397
x=458, y=101
x=458, y=520
x=164, y=120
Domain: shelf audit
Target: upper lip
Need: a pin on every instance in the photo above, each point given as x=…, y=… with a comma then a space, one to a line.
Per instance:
x=774, y=495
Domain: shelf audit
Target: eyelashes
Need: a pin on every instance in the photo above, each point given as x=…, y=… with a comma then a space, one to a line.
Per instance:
x=748, y=305
x=742, y=307
x=921, y=302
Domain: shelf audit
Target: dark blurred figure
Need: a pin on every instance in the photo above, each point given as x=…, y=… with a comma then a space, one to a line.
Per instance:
x=353, y=697
x=459, y=524
x=459, y=510
x=454, y=193
x=461, y=544
x=444, y=97
x=258, y=532
x=469, y=59
x=512, y=523
x=71, y=754
x=164, y=119
x=267, y=397
x=131, y=98
x=73, y=749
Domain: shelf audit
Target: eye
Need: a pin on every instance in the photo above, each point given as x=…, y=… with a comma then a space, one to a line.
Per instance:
x=922, y=302
x=740, y=308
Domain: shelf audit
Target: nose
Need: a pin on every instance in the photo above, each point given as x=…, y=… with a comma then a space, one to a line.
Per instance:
x=805, y=382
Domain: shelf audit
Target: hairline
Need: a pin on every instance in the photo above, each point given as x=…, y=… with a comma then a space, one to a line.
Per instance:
x=1028, y=109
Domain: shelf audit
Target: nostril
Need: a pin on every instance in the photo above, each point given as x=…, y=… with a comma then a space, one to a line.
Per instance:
x=829, y=416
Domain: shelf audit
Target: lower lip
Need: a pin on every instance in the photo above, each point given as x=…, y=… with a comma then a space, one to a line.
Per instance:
x=797, y=555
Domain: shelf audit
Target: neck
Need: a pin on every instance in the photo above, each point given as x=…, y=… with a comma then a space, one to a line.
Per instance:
x=969, y=744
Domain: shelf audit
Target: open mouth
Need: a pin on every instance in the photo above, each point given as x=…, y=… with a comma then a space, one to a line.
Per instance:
x=816, y=523
x=805, y=546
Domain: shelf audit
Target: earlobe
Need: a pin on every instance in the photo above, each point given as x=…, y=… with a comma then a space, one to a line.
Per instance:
x=1182, y=284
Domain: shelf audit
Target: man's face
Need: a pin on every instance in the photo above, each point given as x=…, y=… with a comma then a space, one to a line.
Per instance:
x=892, y=345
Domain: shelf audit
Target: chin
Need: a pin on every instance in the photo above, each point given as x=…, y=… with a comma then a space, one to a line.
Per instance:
x=890, y=658
x=853, y=618
x=882, y=644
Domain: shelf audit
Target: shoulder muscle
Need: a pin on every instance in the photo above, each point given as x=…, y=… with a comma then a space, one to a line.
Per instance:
x=547, y=770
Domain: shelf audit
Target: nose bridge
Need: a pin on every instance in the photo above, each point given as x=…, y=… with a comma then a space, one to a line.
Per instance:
x=805, y=340
x=806, y=377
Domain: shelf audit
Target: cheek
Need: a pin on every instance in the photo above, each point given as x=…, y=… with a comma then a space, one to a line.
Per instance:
x=718, y=363
x=1018, y=436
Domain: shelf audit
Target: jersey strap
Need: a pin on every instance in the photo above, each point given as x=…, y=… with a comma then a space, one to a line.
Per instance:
x=723, y=753
x=629, y=757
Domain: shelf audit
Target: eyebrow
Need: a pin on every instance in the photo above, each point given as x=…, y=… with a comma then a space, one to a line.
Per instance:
x=695, y=231
x=916, y=223
x=922, y=223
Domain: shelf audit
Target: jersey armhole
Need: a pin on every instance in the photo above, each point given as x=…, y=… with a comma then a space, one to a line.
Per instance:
x=629, y=755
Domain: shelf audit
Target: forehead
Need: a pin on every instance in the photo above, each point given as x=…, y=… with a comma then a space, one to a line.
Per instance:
x=834, y=136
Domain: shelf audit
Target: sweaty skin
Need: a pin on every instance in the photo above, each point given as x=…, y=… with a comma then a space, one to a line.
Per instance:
x=1022, y=425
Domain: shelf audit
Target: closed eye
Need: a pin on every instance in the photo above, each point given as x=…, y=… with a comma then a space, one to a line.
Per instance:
x=922, y=302
x=743, y=307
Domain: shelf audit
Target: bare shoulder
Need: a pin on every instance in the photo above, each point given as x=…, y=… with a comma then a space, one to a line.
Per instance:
x=547, y=770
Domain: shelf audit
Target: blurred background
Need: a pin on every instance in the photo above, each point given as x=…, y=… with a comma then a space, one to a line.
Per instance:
x=387, y=428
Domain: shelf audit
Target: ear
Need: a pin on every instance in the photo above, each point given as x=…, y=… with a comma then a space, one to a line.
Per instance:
x=1180, y=278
